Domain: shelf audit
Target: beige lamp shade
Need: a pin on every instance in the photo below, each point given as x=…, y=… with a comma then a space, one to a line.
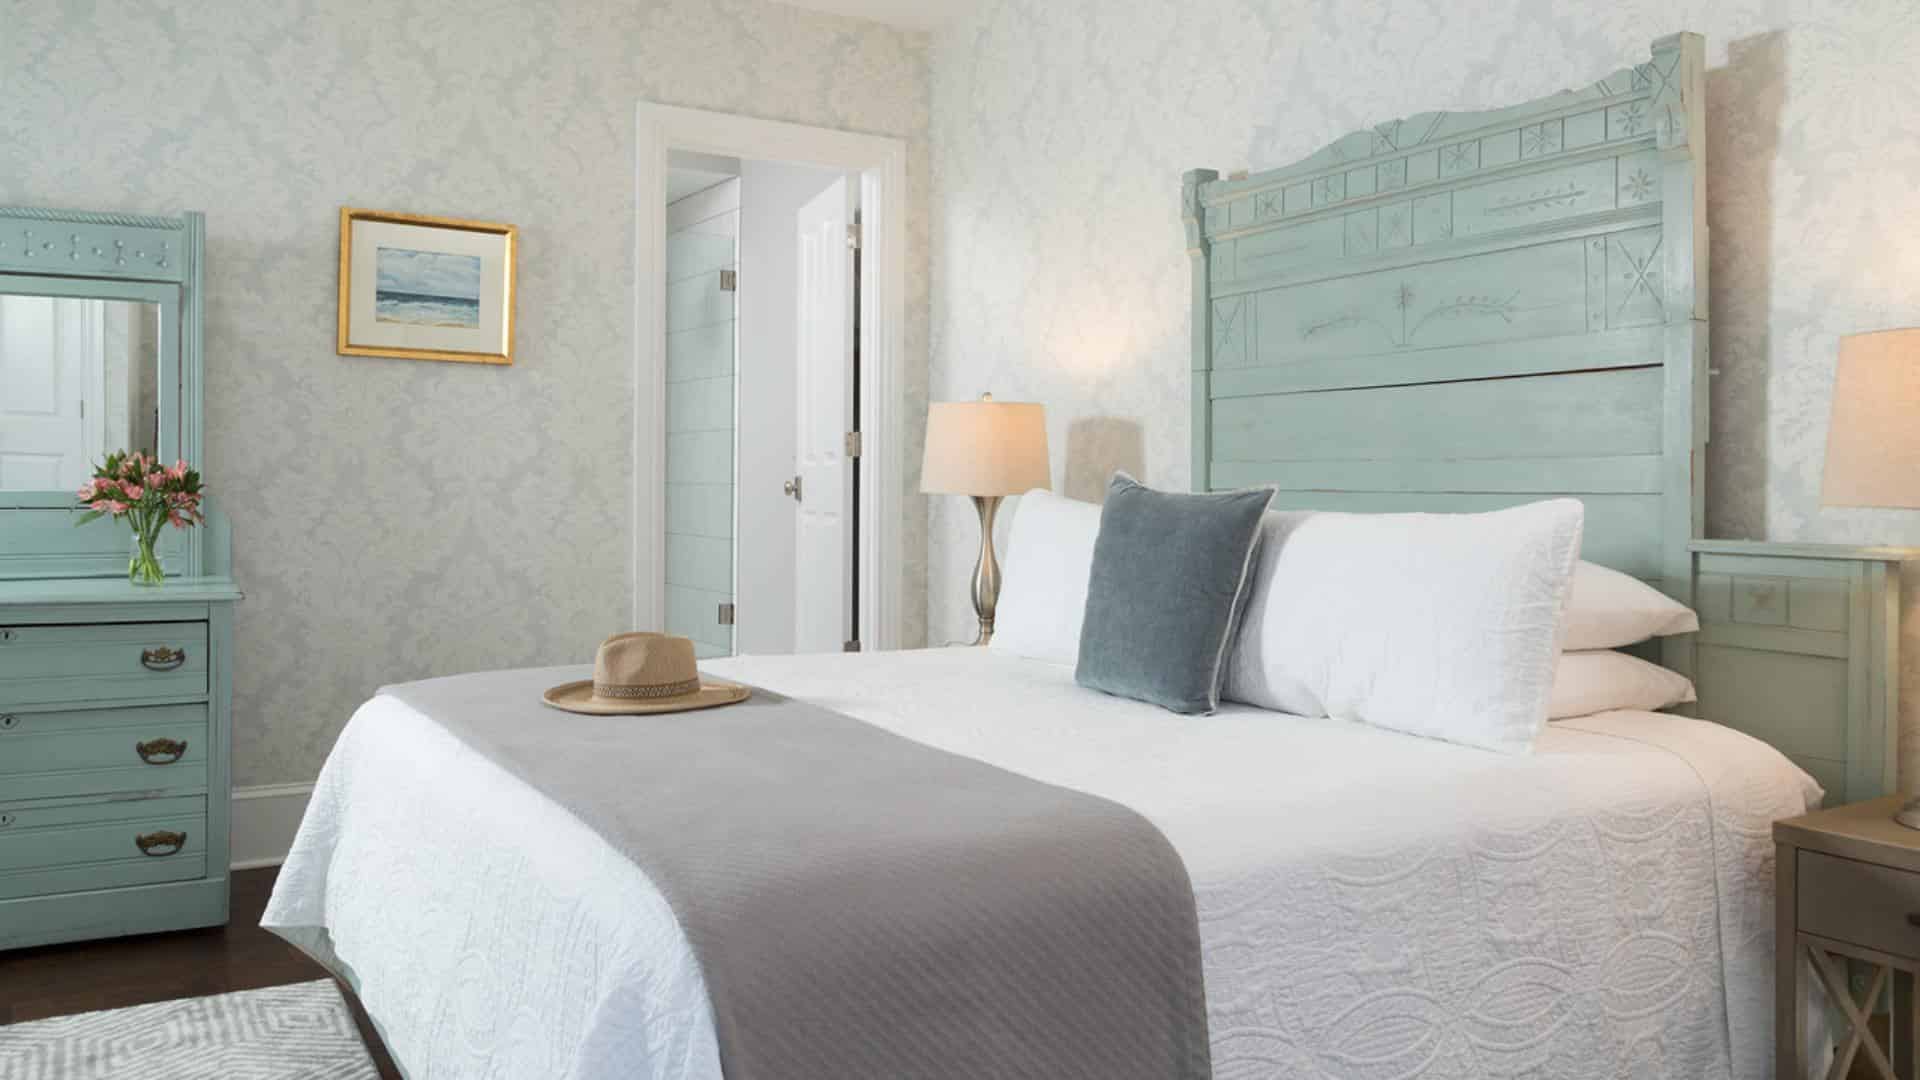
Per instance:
x=1873, y=443
x=985, y=447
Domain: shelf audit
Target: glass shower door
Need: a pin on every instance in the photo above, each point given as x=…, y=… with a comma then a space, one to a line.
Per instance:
x=702, y=267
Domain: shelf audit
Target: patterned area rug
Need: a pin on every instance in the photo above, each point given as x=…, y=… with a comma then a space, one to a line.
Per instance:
x=298, y=1032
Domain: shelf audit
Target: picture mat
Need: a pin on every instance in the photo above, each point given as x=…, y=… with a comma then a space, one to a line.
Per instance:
x=364, y=330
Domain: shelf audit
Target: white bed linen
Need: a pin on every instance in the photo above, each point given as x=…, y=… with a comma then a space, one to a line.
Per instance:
x=1371, y=904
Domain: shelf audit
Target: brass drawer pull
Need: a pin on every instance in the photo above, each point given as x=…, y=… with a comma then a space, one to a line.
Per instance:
x=161, y=751
x=171, y=841
x=162, y=658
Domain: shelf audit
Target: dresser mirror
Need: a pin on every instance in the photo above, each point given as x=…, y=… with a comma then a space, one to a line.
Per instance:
x=79, y=379
x=99, y=352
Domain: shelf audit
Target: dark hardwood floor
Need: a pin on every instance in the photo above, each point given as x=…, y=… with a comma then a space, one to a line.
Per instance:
x=56, y=980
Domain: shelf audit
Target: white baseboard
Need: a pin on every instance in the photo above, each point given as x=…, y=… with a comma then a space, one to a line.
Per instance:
x=264, y=821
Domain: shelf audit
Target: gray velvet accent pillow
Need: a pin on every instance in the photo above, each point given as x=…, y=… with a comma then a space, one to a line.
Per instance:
x=1169, y=575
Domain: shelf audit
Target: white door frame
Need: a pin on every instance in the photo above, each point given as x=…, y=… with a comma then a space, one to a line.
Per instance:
x=90, y=323
x=882, y=164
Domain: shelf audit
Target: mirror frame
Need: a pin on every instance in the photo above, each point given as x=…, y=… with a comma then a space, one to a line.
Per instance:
x=104, y=255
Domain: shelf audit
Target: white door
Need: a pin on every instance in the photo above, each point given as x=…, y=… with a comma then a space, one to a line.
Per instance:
x=823, y=529
x=43, y=391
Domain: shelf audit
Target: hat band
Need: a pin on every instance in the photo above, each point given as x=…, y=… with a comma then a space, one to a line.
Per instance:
x=652, y=690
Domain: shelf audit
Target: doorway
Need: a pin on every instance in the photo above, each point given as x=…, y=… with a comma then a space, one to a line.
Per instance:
x=771, y=295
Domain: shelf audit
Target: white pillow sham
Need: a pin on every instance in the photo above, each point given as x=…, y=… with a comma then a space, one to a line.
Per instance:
x=1599, y=680
x=1043, y=587
x=1443, y=625
x=1609, y=609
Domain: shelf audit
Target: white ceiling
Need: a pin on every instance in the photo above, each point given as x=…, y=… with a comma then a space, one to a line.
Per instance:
x=912, y=14
x=688, y=172
x=684, y=182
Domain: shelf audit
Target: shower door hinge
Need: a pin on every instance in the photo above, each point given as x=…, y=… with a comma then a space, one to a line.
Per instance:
x=851, y=646
x=729, y=280
x=726, y=614
x=853, y=444
x=853, y=236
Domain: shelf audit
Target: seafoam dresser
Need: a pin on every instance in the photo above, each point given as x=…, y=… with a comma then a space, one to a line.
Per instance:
x=114, y=698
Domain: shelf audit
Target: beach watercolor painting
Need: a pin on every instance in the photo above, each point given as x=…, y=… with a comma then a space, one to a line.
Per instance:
x=415, y=287
x=427, y=288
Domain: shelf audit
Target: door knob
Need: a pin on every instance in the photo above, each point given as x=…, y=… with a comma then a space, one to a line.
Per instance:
x=792, y=487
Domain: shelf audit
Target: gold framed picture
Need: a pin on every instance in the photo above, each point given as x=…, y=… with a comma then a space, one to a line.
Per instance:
x=426, y=288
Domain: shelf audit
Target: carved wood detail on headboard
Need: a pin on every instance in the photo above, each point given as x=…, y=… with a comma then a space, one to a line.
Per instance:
x=1468, y=310
x=1463, y=311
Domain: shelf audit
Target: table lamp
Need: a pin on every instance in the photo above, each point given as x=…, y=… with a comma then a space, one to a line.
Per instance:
x=986, y=449
x=1873, y=443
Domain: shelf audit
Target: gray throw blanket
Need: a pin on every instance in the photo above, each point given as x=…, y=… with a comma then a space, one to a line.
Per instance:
x=863, y=905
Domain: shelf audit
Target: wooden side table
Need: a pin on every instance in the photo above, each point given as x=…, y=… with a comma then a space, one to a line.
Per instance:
x=1848, y=897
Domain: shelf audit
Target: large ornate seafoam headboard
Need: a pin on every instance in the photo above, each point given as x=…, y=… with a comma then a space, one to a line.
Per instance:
x=1464, y=311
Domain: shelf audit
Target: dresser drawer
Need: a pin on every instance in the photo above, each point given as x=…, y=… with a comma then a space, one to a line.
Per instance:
x=102, y=845
x=1858, y=902
x=108, y=662
x=46, y=755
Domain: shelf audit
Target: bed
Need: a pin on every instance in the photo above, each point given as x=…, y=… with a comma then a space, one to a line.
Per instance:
x=1369, y=904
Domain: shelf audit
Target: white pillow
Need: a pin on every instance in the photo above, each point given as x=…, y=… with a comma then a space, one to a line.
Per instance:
x=1591, y=682
x=1443, y=625
x=1043, y=587
x=1609, y=609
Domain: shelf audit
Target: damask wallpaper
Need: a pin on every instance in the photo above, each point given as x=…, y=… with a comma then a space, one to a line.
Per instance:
x=396, y=519
x=1061, y=127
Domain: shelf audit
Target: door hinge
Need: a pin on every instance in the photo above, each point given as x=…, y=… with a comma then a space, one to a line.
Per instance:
x=853, y=444
x=851, y=646
x=853, y=236
x=726, y=614
x=729, y=280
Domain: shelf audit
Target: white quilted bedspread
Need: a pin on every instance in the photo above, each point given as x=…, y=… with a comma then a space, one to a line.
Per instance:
x=1371, y=904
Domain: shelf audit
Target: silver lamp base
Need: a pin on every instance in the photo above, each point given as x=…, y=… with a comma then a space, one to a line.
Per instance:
x=986, y=572
x=1909, y=813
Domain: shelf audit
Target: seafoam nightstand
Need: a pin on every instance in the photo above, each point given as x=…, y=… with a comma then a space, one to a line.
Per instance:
x=1848, y=896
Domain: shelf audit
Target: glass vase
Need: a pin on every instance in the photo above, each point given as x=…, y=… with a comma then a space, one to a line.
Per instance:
x=144, y=567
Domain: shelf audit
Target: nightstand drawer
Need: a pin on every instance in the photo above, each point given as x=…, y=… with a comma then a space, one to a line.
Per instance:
x=109, y=662
x=47, y=755
x=1858, y=902
x=102, y=845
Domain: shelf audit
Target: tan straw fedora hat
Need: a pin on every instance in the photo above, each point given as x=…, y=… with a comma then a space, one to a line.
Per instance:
x=644, y=672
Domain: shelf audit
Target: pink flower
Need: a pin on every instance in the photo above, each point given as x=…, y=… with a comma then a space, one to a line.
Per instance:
x=179, y=470
x=115, y=508
x=133, y=491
